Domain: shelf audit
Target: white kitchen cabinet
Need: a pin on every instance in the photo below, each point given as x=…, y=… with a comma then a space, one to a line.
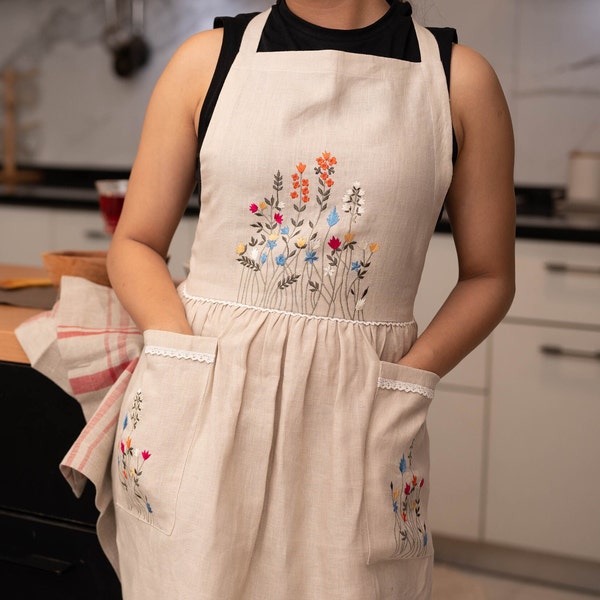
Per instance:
x=24, y=232
x=456, y=426
x=27, y=231
x=543, y=480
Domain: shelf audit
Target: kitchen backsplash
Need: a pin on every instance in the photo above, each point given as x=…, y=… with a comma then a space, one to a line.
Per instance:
x=74, y=111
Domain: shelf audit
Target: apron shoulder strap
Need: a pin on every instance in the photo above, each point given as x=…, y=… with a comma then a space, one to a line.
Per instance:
x=428, y=46
x=254, y=29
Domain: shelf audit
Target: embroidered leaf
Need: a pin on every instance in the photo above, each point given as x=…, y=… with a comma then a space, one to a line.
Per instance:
x=277, y=182
x=248, y=263
x=313, y=286
x=287, y=281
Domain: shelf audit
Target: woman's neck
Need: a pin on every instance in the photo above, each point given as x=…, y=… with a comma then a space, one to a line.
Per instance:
x=339, y=14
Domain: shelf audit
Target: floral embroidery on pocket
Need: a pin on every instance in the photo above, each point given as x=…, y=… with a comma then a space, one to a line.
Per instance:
x=131, y=461
x=307, y=260
x=410, y=530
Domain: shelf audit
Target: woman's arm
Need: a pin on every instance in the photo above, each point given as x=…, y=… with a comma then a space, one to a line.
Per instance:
x=160, y=185
x=481, y=208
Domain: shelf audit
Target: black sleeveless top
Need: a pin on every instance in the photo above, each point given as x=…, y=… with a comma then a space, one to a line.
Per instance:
x=392, y=36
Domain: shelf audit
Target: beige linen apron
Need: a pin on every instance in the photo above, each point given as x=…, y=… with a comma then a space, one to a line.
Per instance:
x=279, y=453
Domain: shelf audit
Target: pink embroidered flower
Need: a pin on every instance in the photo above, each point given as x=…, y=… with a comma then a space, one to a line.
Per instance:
x=278, y=217
x=253, y=208
x=422, y=482
x=122, y=447
x=407, y=489
x=146, y=455
x=334, y=243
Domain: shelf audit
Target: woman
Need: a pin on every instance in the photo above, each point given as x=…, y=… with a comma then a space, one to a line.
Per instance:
x=272, y=440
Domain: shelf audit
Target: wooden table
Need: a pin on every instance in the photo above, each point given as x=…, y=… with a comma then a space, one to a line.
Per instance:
x=12, y=316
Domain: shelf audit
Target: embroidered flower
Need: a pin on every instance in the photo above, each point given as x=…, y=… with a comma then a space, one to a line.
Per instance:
x=263, y=205
x=271, y=244
x=349, y=237
x=333, y=218
x=146, y=455
x=355, y=265
x=360, y=303
x=285, y=230
x=253, y=208
x=300, y=167
x=240, y=249
x=402, y=465
x=334, y=243
x=353, y=201
x=254, y=254
x=293, y=195
x=329, y=271
x=300, y=242
x=311, y=257
x=407, y=489
x=280, y=260
x=278, y=217
x=263, y=258
x=374, y=247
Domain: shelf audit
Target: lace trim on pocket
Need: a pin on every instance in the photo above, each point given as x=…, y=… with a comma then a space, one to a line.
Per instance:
x=403, y=386
x=180, y=354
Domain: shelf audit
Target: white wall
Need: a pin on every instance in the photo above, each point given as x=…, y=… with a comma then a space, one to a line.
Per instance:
x=546, y=54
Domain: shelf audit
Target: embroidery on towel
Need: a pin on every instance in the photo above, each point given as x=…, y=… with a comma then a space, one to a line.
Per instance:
x=307, y=258
x=180, y=354
x=131, y=461
x=403, y=386
x=410, y=530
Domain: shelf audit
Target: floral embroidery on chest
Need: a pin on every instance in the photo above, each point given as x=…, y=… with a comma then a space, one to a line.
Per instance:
x=131, y=460
x=307, y=257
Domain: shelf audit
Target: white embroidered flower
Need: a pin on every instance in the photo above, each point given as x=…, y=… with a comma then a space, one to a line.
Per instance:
x=360, y=303
x=353, y=201
x=254, y=254
x=329, y=270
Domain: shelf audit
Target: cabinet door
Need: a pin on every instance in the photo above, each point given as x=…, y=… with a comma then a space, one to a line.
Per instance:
x=544, y=484
x=77, y=229
x=456, y=425
x=439, y=277
x=24, y=234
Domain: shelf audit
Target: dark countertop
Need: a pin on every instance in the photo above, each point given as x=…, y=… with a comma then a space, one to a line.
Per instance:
x=541, y=214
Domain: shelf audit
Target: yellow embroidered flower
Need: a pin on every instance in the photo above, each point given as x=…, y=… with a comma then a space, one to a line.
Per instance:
x=240, y=249
x=300, y=242
x=374, y=247
x=396, y=494
x=263, y=205
x=273, y=237
x=349, y=237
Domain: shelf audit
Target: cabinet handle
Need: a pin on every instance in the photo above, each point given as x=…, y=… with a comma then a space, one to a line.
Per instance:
x=566, y=268
x=96, y=234
x=558, y=351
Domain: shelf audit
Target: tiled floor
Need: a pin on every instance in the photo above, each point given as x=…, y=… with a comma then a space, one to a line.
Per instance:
x=450, y=583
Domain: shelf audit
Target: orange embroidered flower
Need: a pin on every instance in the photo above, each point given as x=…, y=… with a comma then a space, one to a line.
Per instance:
x=349, y=237
x=333, y=161
x=323, y=176
x=296, y=185
x=374, y=247
x=414, y=481
x=305, y=190
x=326, y=155
x=263, y=205
x=294, y=194
x=396, y=494
x=329, y=182
x=128, y=443
x=305, y=182
x=404, y=517
x=305, y=199
x=300, y=167
x=295, y=177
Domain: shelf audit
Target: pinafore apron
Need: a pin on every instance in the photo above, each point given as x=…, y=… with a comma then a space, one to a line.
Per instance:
x=279, y=453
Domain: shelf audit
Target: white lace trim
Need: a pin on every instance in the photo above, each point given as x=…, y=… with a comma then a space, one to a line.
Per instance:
x=180, y=354
x=294, y=314
x=403, y=386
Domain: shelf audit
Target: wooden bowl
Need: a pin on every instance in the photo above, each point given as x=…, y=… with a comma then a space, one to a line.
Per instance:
x=90, y=265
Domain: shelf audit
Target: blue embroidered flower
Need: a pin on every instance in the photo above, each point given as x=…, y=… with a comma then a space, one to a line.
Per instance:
x=280, y=260
x=125, y=421
x=263, y=258
x=271, y=244
x=285, y=230
x=355, y=265
x=402, y=465
x=333, y=217
x=311, y=257
x=395, y=506
x=150, y=508
x=425, y=539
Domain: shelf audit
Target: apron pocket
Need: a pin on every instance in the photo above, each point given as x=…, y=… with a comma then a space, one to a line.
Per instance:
x=158, y=422
x=397, y=464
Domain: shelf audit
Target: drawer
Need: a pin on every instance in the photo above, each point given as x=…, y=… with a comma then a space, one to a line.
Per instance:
x=53, y=561
x=557, y=281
